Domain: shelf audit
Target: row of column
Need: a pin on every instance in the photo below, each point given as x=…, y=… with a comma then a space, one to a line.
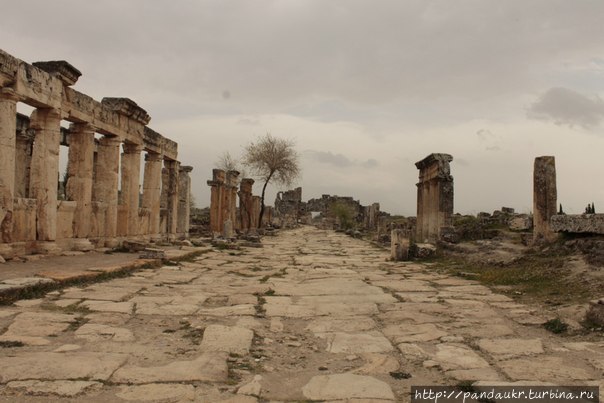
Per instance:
x=92, y=177
x=224, y=215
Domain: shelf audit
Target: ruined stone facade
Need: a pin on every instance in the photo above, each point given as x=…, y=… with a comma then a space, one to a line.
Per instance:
x=545, y=202
x=364, y=217
x=434, y=197
x=578, y=223
x=289, y=208
x=95, y=212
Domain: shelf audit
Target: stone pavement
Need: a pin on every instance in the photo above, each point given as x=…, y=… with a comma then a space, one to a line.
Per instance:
x=313, y=315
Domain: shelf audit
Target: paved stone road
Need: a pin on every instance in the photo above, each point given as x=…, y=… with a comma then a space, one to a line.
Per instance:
x=313, y=315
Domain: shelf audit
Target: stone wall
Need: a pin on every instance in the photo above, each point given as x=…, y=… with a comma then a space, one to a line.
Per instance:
x=289, y=208
x=33, y=219
x=363, y=217
x=578, y=223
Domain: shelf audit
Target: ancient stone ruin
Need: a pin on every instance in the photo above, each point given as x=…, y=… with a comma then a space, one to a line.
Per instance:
x=363, y=217
x=289, y=208
x=434, y=198
x=226, y=219
x=544, y=198
x=106, y=142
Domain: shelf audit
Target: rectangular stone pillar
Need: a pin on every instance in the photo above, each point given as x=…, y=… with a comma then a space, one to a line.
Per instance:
x=152, y=191
x=106, y=184
x=131, y=171
x=256, y=206
x=544, y=198
x=79, y=176
x=184, y=200
x=172, y=217
x=245, y=204
x=232, y=181
x=434, y=197
x=45, y=170
x=216, y=200
x=25, y=143
x=8, y=132
x=399, y=245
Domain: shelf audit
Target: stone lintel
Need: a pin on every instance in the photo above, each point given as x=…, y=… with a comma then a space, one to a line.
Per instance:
x=61, y=69
x=434, y=158
x=127, y=107
x=578, y=223
x=215, y=183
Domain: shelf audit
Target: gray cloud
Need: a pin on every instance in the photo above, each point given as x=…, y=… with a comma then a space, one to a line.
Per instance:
x=340, y=160
x=567, y=107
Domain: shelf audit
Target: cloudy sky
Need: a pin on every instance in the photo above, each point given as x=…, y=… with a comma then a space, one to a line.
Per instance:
x=365, y=88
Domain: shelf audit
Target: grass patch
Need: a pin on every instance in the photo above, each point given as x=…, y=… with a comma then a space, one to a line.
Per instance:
x=556, y=326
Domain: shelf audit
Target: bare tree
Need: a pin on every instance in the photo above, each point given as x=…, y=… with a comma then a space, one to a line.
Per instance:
x=272, y=159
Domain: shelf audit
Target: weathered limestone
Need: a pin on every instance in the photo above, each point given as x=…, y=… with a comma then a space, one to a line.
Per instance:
x=152, y=191
x=105, y=187
x=172, y=168
x=184, y=201
x=29, y=166
x=44, y=170
x=8, y=121
x=216, y=199
x=399, y=245
x=595, y=314
x=131, y=162
x=79, y=176
x=578, y=223
x=245, y=205
x=232, y=180
x=544, y=198
x=434, y=197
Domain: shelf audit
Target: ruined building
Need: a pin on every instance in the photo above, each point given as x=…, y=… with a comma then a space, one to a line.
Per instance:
x=289, y=208
x=102, y=203
x=365, y=217
x=434, y=198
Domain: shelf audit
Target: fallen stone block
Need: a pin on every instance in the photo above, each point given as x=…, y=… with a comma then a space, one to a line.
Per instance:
x=152, y=253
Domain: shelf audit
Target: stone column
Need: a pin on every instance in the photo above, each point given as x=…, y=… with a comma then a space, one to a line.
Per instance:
x=106, y=184
x=184, y=200
x=217, y=184
x=131, y=167
x=245, y=204
x=256, y=205
x=232, y=177
x=434, y=197
x=25, y=143
x=152, y=191
x=544, y=198
x=45, y=170
x=79, y=176
x=172, y=217
x=8, y=132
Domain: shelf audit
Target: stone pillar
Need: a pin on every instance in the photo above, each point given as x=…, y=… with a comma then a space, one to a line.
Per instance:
x=399, y=245
x=152, y=191
x=217, y=184
x=245, y=204
x=232, y=179
x=544, y=198
x=172, y=217
x=45, y=170
x=256, y=205
x=131, y=171
x=434, y=197
x=184, y=201
x=79, y=176
x=8, y=132
x=25, y=143
x=106, y=184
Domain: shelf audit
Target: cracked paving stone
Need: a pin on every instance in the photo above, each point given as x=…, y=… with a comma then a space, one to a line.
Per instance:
x=346, y=386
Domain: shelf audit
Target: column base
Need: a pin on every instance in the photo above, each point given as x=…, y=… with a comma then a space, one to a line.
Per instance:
x=82, y=244
x=48, y=248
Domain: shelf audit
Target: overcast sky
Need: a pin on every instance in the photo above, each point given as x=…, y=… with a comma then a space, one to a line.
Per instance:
x=365, y=88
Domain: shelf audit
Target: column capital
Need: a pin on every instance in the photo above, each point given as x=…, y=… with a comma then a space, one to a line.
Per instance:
x=155, y=157
x=132, y=148
x=82, y=127
x=9, y=94
x=186, y=168
x=110, y=141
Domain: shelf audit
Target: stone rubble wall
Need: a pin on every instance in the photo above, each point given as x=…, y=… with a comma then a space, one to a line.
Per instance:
x=40, y=212
x=578, y=223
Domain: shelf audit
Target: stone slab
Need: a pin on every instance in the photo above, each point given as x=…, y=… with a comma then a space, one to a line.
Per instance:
x=231, y=339
x=346, y=386
x=59, y=388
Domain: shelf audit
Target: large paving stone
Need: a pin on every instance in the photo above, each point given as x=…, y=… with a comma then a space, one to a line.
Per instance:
x=351, y=324
x=411, y=333
x=508, y=348
x=59, y=388
x=109, y=306
x=326, y=286
x=453, y=357
x=548, y=369
x=95, y=332
x=158, y=392
x=231, y=339
x=356, y=343
x=346, y=386
x=209, y=367
x=60, y=366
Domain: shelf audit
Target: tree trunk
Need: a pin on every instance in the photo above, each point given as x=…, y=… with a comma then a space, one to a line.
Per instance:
x=262, y=200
